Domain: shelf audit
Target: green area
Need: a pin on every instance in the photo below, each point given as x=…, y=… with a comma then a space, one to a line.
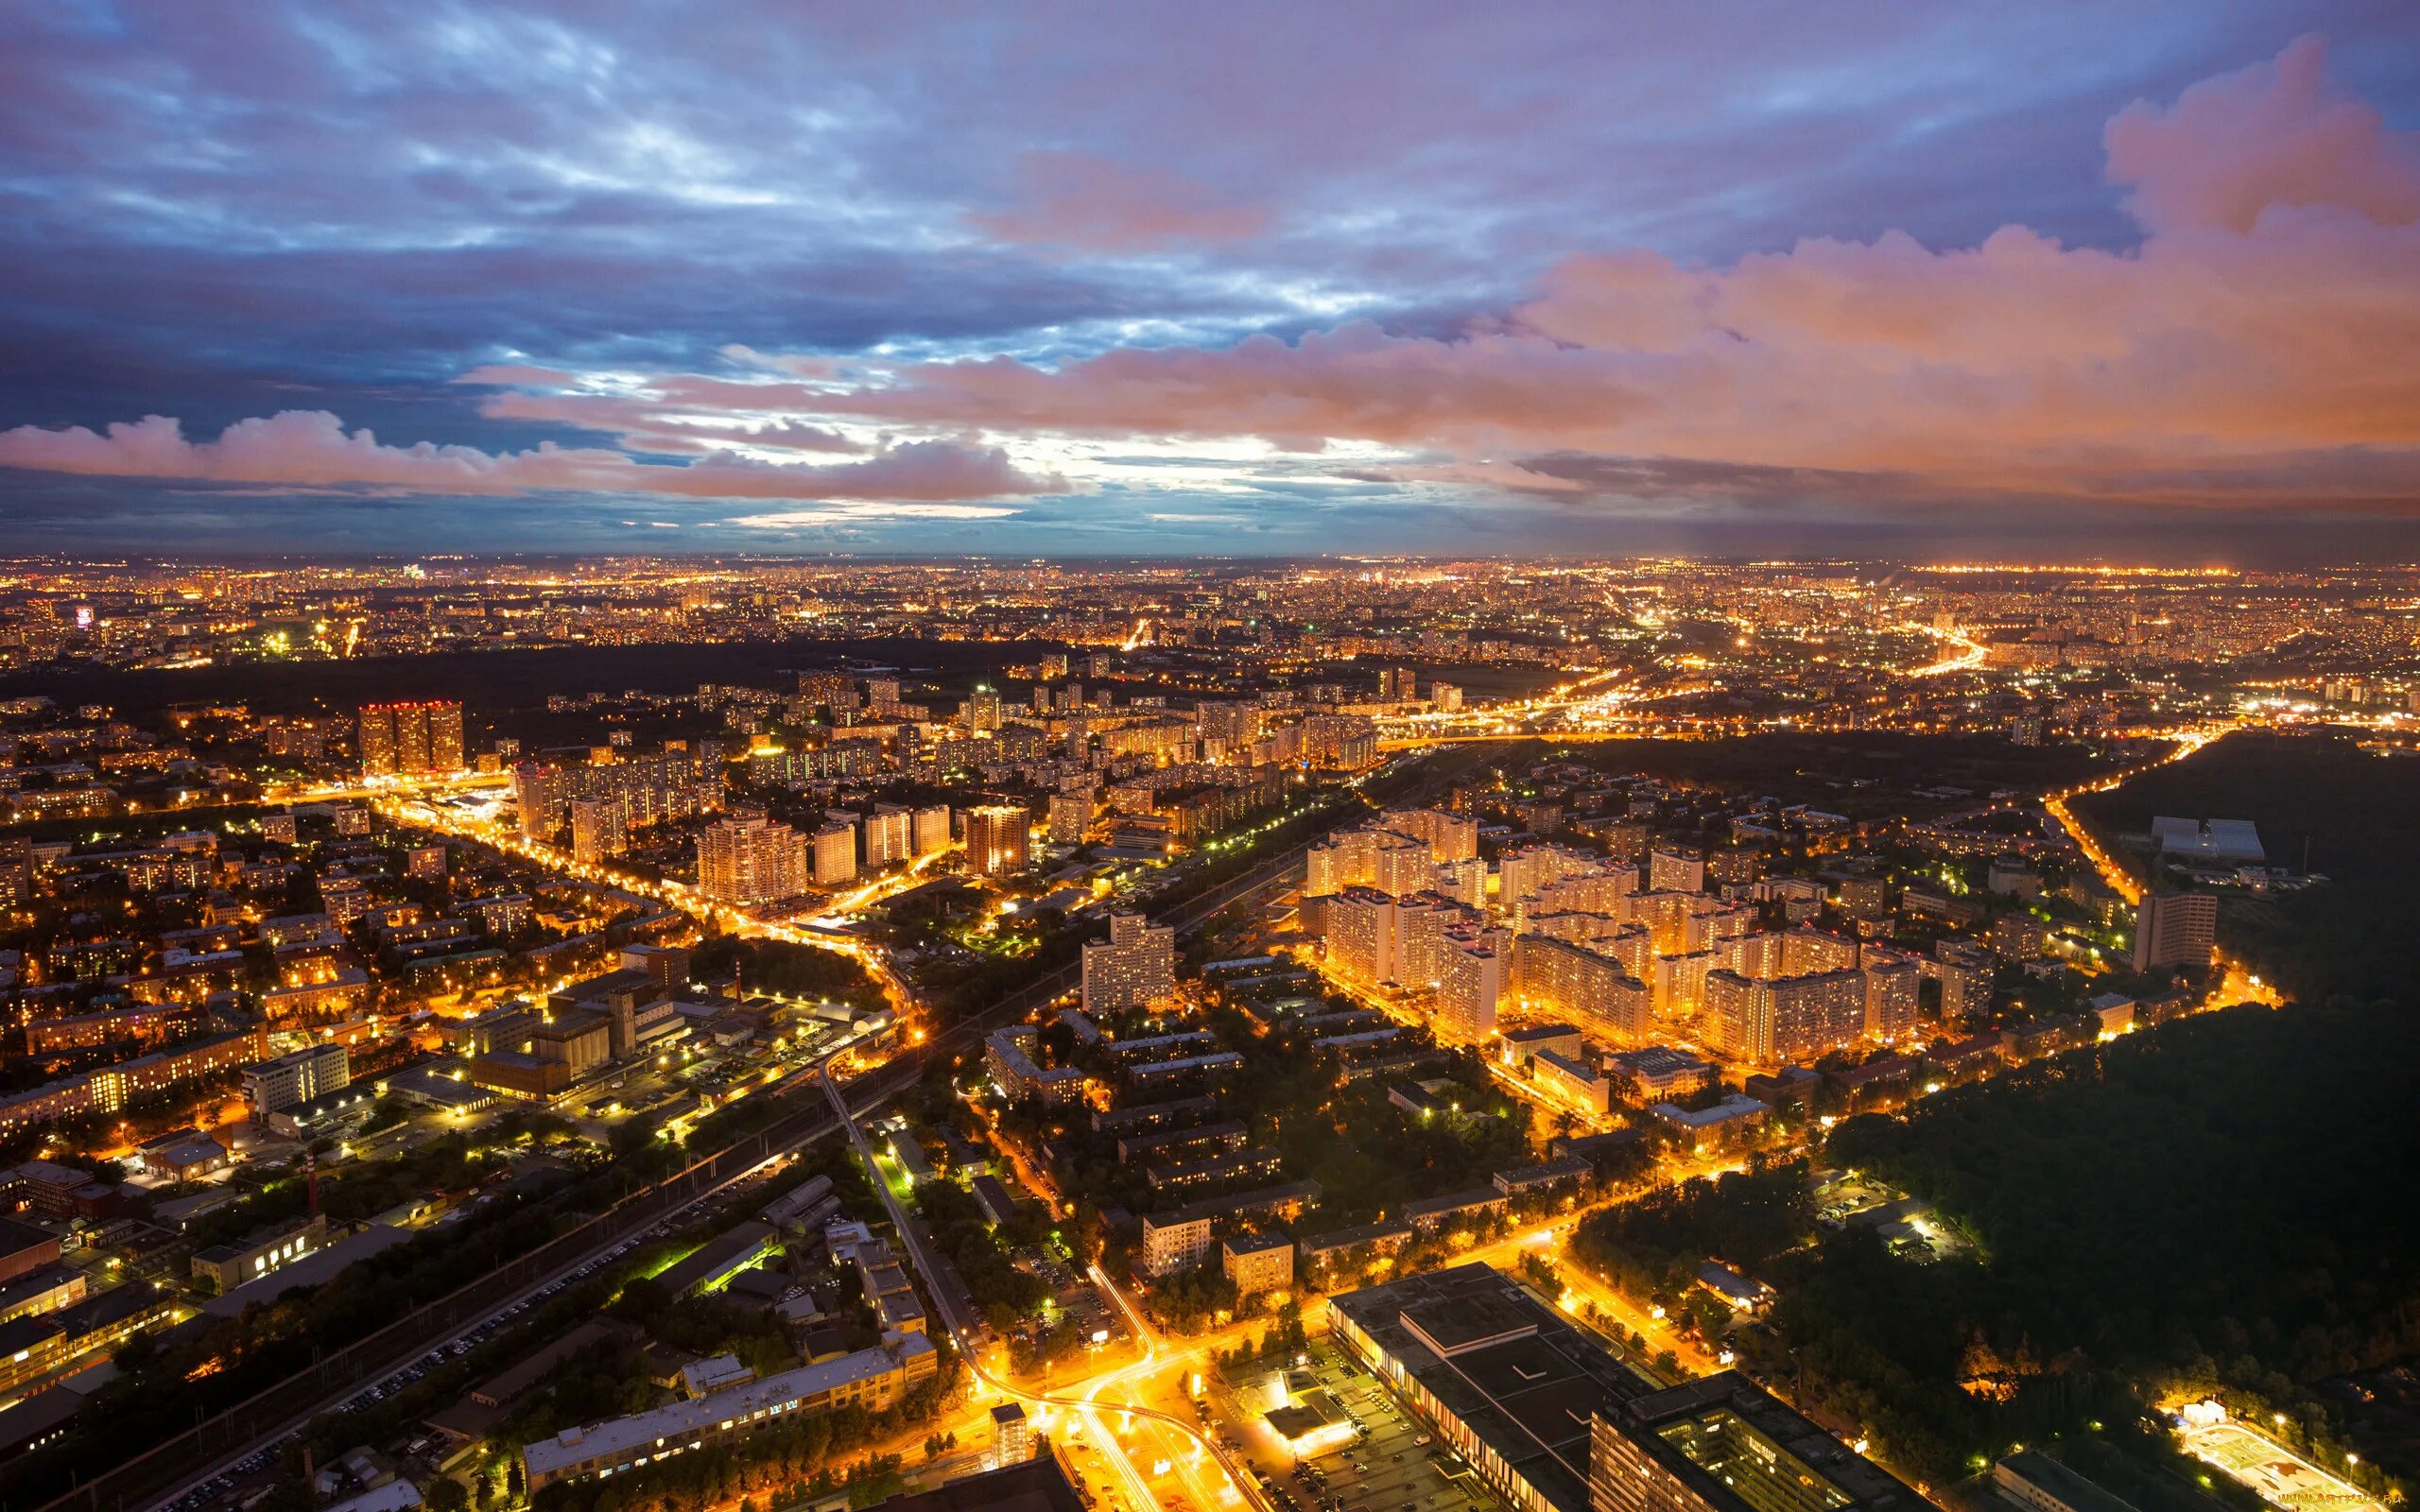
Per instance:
x=1652, y=1247
x=1862, y=775
x=788, y=970
x=2357, y=813
x=2218, y=1206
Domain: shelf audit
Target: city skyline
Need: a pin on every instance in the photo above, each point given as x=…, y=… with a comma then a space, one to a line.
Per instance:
x=1374, y=757
x=484, y=1031
x=1844, y=285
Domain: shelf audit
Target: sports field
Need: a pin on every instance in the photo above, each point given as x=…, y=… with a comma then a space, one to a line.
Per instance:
x=2282, y=1478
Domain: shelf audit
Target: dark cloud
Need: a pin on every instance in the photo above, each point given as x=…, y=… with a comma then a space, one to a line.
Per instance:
x=224, y=214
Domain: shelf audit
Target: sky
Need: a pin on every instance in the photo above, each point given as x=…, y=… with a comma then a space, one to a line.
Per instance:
x=2006, y=280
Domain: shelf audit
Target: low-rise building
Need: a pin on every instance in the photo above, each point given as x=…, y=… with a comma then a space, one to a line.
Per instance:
x=1259, y=1263
x=2040, y=1484
x=230, y=1265
x=1721, y=1122
x=872, y=1378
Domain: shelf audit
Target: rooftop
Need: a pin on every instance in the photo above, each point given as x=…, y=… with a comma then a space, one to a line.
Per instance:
x=2077, y=1493
x=1744, y=1450
x=622, y=1436
x=1518, y=1375
x=1033, y=1486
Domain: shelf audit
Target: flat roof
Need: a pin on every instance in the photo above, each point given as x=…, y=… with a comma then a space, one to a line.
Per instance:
x=621, y=1435
x=1352, y=1238
x=1520, y=1377
x=2057, y=1480
x=1744, y=1450
x=1258, y=1244
x=1031, y=1486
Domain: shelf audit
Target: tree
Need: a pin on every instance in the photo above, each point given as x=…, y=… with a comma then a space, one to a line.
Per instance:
x=444, y=1494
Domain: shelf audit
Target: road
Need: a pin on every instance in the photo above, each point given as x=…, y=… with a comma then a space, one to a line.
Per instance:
x=183, y=1472
x=2237, y=982
x=970, y=1336
x=170, y=1473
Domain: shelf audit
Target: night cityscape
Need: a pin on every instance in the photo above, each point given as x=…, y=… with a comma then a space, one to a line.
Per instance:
x=1256, y=759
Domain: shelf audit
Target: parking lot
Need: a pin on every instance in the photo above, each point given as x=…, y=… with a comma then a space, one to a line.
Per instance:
x=1391, y=1465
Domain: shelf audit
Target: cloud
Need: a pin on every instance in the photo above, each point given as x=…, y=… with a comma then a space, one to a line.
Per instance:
x=852, y=514
x=312, y=450
x=2275, y=134
x=1073, y=200
x=2231, y=326
x=2256, y=341
x=650, y=425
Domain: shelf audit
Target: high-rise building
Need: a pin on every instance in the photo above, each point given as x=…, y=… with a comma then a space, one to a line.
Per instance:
x=1964, y=973
x=540, y=793
x=1865, y=897
x=403, y=739
x=835, y=851
x=1133, y=968
x=1672, y=869
x=2175, y=929
x=1361, y=933
x=889, y=836
x=599, y=828
x=826, y=690
x=980, y=710
x=1678, y=989
x=1423, y=922
x=1235, y=724
x=1787, y=1020
x=1891, y=981
x=750, y=861
x=931, y=829
x=17, y=866
x=999, y=838
x=1568, y=979
x=1449, y=837
x=1471, y=983
x=1071, y=814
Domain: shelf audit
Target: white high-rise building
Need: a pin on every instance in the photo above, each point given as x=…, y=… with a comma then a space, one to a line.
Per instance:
x=890, y=835
x=296, y=1079
x=1133, y=968
x=1575, y=980
x=1448, y=836
x=1071, y=815
x=1361, y=933
x=1472, y=982
x=1787, y=1021
x=1891, y=981
x=599, y=828
x=931, y=827
x=1675, y=870
x=835, y=851
x=2175, y=929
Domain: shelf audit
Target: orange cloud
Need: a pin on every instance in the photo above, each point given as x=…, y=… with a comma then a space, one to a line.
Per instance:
x=2257, y=341
x=2254, y=347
